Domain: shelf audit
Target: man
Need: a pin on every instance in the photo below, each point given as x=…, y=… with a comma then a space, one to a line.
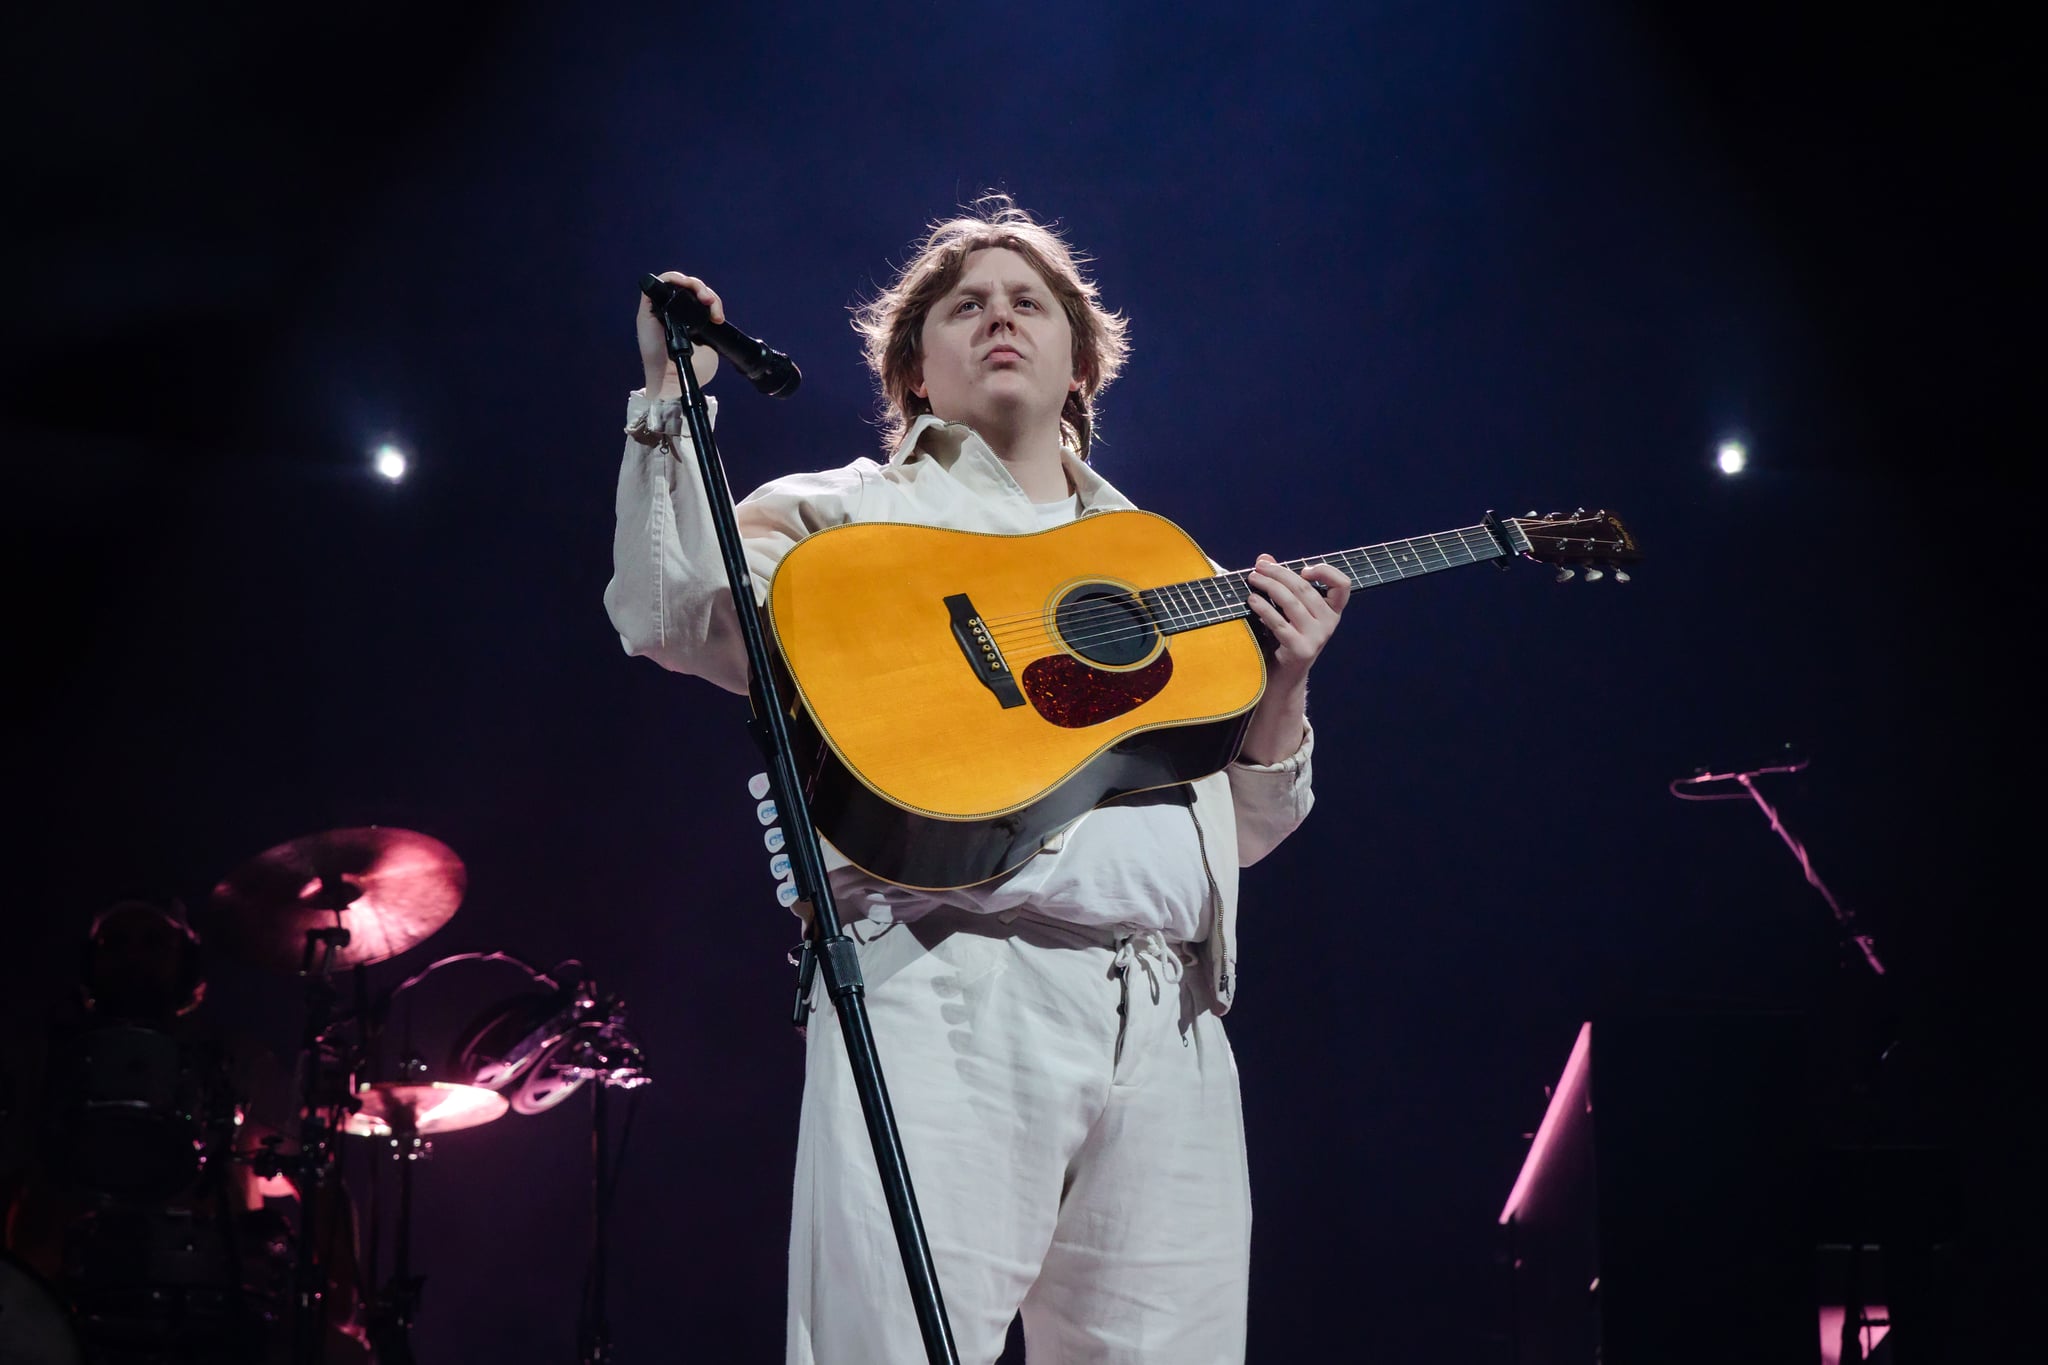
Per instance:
x=1067, y=1098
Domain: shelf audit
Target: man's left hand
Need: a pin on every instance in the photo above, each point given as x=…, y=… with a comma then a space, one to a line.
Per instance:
x=1300, y=619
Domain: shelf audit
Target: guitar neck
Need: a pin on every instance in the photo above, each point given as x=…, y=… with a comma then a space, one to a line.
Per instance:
x=1205, y=601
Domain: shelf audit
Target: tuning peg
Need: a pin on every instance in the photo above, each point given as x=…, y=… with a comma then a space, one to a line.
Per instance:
x=1565, y=575
x=1621, y=575
x=1532, y=511
x=1595, y=575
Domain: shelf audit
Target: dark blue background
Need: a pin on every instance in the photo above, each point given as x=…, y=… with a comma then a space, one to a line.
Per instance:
x=1386, y=266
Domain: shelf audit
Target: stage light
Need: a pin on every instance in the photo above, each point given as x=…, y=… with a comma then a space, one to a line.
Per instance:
x=391, y=462
x=1732, y=457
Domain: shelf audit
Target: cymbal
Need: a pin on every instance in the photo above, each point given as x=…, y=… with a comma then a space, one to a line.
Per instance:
x=424, y=1107
x=390, y=888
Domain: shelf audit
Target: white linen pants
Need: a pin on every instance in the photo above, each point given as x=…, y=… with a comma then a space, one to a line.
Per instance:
x=1070, y=1114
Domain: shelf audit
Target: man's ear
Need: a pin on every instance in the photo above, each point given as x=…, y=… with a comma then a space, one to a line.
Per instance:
x=917, y=383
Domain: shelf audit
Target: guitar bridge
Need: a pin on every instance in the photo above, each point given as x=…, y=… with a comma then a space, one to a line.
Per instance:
x=983, y=655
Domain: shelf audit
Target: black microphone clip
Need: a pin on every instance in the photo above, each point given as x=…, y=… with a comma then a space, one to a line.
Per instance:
x=766, y=368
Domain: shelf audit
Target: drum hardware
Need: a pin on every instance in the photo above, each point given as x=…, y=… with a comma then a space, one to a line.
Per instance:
x=540, y=1047
x=139, y=1109
x=315, y=1167
x=342, y=898
x=422, y=1107
x=138, y=1113
x=593, y=1044
x=182, y=1275
x=191, y=1282
x=398, y=1113
x=169, y=1277
x=132, y=1211
x=387, y=889
x=602, y=1050
x=402, y=1114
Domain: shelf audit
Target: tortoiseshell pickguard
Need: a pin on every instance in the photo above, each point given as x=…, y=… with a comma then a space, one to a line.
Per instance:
x=1070, y=694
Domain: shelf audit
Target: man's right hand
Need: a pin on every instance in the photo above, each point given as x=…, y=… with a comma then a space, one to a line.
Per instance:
x=661, y=371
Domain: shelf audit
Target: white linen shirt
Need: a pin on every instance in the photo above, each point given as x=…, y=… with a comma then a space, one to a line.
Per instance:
x=669, y=600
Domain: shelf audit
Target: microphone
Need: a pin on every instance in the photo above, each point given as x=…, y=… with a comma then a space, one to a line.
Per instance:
x=768, y=369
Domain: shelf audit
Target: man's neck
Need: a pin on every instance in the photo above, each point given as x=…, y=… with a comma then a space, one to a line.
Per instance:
x=1034, y=461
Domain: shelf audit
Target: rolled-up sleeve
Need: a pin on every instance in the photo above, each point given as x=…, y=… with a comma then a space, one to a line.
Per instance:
x=1272, y=799
x=669, y=598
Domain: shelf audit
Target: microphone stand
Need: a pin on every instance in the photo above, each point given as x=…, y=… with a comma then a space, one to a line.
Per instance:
x=1845, y=920
x=1869, y=1059
x=827, y=946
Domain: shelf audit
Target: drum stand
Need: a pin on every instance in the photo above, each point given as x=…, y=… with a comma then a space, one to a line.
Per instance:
x=608, y=1057
x=398, y=1302
x=314, y=1168
x=593, y=1332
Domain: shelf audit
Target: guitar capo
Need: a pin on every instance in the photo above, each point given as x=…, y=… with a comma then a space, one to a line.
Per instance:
x=1500, y=538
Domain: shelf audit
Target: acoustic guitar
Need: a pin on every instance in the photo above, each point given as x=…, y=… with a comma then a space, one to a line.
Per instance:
x=960, y=696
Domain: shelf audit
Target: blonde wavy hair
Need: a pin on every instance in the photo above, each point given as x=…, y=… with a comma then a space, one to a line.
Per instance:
x=892, y=323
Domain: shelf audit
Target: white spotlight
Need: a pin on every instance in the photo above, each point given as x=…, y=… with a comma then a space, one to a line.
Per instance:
x=1731, y=457
x=391, y=462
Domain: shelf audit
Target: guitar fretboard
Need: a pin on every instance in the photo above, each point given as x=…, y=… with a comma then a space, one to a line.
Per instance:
x=1205, y=601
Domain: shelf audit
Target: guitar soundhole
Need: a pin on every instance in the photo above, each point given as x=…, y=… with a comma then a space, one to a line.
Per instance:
x=1071, y=695
x=1103, y=623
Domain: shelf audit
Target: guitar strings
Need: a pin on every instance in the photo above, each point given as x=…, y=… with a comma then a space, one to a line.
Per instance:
x=1020, y=629
x=1111, y=609
x=1468, y=536
x=1116, y=618
x=1087, y=625
x=1018, y=634
x=1016, y=641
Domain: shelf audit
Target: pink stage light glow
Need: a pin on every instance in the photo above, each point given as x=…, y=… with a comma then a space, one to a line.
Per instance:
x=1573, y=1088
x=1874, y=1328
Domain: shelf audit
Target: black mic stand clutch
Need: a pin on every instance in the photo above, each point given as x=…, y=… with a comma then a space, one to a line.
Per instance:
x=829, y=949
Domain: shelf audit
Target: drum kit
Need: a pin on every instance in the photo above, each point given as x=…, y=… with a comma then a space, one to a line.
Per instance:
x=150, y=1151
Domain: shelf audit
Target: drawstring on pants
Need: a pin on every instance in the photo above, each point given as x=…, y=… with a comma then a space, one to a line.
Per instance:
x=1164, y=966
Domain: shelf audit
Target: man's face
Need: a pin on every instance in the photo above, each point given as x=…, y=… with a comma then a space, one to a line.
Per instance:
x=997, y=350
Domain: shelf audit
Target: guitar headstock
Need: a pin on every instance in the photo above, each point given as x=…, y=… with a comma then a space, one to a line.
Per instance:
x=1595, y=542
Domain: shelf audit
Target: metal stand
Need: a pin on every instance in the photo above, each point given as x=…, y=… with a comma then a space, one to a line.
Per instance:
x=1869, y=1058
x=1845, y=920
x=398, y=1301
x=593, y=1330
x=314, y=1168
x=602, y=1052
x=831, y=949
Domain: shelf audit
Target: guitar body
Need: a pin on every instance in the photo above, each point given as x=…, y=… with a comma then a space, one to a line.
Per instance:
x=960, y=696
